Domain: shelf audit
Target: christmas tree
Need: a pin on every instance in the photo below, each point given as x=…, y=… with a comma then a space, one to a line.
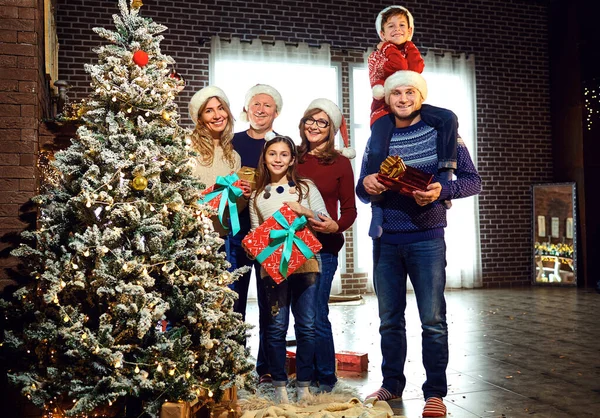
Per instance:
x=121, y=246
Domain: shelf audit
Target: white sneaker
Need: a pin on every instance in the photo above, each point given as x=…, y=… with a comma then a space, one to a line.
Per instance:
x=281, y=395
x=303, y=393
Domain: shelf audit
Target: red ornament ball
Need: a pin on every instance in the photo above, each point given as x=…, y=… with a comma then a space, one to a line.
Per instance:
x=140, y=58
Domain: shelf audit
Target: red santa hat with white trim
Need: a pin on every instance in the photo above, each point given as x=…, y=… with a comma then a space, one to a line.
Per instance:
x=260, y=89
x=338, y=121
x=411, y=21
x=405, y=78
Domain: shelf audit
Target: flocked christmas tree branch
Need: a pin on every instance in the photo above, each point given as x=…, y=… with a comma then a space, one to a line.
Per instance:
x=123, y=244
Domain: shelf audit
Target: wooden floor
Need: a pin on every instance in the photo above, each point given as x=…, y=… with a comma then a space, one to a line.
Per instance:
x=513, y=353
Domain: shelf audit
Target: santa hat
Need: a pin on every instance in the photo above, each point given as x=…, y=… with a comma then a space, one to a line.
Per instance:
x=338, y=121
x=202, y=97
x=261, y=89
x=405, y=78
x=411, y=22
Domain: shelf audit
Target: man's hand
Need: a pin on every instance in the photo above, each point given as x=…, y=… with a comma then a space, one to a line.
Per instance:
x=430, y=196
x=372, y=185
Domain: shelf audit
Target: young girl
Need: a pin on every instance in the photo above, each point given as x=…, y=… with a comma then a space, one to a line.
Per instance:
x=278, y=183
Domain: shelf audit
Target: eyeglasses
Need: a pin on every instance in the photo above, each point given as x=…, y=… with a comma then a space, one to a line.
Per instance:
x=320, y=122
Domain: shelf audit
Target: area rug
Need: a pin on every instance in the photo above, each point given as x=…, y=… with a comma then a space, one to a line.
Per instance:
x=343, y=401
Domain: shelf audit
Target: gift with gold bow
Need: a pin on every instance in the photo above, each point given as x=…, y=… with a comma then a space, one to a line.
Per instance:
x=397, y=176
x=282, y=243
x=223, y=196
x=248, y=174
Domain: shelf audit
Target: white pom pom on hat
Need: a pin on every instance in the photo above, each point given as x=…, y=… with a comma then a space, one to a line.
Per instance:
x=260, y=89
x=338, y=121
x=405, y=78
x=378, y=91
x=411, y=21
x=202, y=97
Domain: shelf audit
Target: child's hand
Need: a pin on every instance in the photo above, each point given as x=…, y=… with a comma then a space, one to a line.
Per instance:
x=296, y=207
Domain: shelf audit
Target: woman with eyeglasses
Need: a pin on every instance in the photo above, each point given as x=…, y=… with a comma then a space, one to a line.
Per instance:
x=331, y=172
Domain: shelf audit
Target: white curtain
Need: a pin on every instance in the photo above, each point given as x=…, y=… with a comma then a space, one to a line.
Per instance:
x=301, y=73
x=451, y=84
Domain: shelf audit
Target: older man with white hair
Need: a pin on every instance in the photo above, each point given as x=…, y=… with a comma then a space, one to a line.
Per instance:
x=412, y=243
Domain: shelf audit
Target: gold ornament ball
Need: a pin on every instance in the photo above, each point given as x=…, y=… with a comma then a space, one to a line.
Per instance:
x=136, y=4
x=209, y=344
x=139, y=182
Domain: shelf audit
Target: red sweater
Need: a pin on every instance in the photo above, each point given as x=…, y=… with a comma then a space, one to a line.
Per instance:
x=336, y=184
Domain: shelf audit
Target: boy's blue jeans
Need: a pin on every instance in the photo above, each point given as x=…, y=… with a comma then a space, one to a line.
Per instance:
x=446, y=125
x=425, y=263
x=443, y=120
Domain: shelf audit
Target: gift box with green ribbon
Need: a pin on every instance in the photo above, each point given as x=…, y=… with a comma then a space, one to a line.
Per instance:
x=282, y=243
x=223, y=197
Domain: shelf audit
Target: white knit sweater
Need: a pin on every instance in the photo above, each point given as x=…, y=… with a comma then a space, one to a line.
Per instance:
x=267, y=207
x=208, y=176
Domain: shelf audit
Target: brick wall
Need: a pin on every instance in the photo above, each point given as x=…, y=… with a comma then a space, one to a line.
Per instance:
x=23, y=98
x=509, y=39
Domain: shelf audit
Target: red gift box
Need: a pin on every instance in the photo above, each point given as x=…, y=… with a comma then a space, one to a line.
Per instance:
x=397, y=176
x=352, y=361
x=230, y=188
x=290, y=362
x=282, y=231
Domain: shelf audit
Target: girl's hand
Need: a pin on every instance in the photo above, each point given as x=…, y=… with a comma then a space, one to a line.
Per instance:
x=325, y=225
x=298, y=208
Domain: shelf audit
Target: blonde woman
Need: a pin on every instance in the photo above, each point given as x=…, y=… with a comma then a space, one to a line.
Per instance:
x=211, y=139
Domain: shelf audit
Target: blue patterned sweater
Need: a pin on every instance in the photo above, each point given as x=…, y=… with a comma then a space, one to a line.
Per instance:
x=404, y=221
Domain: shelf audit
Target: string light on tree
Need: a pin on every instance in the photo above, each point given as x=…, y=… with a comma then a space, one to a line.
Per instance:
x=592, y=106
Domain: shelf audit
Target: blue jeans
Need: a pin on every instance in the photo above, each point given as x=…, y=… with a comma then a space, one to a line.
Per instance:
x=324, y=364
x=425, y=263
x=298, y=293
x=443, y=120
x=237, y=256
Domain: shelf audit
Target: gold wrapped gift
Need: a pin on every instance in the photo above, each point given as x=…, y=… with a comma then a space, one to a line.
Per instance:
x=397, y=176
x=176, y=410
x=248, y=174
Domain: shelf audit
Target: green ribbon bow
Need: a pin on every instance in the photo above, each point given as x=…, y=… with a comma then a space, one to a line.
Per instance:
x=229, y=194
x=287, y=237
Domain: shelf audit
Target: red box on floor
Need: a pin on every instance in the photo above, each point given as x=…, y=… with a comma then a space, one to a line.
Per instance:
x=352, y=361
x=290, y=362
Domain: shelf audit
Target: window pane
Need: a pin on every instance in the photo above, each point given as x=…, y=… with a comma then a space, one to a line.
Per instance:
x=297, y=84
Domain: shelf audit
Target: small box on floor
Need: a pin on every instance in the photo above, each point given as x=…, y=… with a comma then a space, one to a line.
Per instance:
x=290, y=362
x=352, y=361
x=176, y=410
x=203, y=407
